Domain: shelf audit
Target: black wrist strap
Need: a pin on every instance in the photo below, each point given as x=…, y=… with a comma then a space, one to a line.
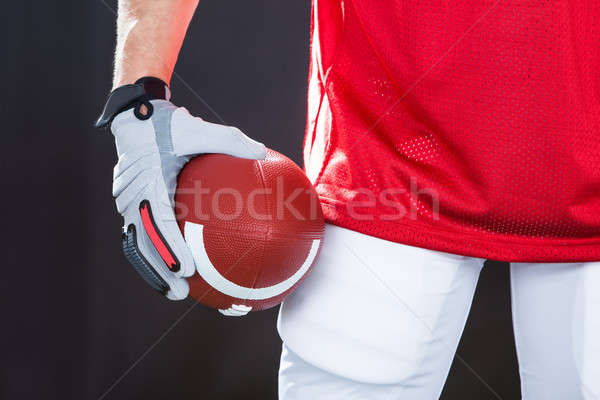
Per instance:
x=133, y=96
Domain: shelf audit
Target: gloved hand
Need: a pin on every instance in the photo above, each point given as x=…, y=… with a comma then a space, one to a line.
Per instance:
x=152, y=149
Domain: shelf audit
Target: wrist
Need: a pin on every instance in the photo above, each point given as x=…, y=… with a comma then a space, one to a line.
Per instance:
x=123, y=78
x=134, y=96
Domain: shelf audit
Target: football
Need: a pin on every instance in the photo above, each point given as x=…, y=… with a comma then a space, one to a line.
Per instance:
x=254, y=227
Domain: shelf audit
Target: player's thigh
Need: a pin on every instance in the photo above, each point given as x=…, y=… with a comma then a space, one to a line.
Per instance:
x=556, y=317
x=379, y=312
x=300, y=380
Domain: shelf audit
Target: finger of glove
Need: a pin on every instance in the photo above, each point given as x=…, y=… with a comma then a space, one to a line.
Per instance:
x=156, y=215
x=192, y=135
x=232, y=313
x=149, y=265
x=236, y=310
x=141, y=158
x=128, y=187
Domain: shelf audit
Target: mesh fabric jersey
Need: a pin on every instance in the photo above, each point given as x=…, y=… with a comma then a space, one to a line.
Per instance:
x=466, y=127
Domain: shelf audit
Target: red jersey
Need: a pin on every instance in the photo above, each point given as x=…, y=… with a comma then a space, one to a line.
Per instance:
x=466, y=127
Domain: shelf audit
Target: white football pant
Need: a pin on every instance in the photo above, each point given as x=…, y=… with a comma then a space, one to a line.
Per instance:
x=381, y=320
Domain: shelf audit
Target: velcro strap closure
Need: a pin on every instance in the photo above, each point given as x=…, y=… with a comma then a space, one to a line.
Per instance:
x=132, y=96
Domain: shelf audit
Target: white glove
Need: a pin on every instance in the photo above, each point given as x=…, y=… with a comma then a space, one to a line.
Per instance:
x=151, y=154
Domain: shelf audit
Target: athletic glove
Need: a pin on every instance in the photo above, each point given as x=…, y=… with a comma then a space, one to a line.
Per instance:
x=152, y=147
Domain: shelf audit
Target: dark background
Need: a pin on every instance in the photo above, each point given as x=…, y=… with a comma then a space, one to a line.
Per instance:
x=75, y=316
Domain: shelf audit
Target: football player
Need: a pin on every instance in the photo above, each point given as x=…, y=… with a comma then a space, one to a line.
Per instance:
x=439, y=135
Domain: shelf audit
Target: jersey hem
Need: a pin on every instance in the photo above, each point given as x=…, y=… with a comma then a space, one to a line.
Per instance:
x=486, y=245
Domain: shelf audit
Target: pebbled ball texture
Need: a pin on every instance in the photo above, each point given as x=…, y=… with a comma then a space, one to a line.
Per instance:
x=259, y=220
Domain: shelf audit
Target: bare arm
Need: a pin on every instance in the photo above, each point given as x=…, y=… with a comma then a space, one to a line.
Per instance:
x=149, y=37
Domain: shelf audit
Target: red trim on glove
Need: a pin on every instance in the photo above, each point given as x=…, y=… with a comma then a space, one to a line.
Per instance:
x=157, y=238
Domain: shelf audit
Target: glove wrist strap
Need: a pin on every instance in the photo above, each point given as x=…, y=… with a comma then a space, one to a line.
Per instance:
x=133, y=96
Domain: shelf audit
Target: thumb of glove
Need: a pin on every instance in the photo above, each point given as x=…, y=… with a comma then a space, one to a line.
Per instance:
x=192, y=135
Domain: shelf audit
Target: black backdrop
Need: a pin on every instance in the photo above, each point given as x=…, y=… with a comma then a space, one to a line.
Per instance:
x=77, y=322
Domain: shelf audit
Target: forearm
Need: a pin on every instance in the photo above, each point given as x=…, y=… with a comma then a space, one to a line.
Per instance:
x=149, y=37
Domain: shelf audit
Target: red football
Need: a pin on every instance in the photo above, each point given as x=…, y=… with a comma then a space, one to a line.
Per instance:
x=254, y=227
